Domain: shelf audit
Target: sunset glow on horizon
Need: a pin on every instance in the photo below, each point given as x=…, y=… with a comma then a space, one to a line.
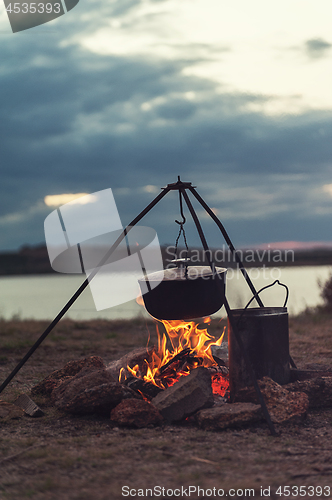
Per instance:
x=56, y=200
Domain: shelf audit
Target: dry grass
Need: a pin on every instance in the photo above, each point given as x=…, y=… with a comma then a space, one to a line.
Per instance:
x=67, y=458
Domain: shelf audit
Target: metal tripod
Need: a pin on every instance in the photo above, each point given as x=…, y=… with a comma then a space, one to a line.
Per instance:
x=182, y=188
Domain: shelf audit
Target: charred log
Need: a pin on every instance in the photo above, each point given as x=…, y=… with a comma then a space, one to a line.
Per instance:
x=177, y=357
x=138, y=385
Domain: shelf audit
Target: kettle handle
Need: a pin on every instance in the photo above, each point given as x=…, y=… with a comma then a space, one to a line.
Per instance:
x=268, y=286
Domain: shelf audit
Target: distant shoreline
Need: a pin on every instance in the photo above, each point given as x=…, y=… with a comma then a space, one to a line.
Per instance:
x=35, y=260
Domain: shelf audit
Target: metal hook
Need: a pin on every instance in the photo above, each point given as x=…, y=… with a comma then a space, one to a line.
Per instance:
x=181, y=211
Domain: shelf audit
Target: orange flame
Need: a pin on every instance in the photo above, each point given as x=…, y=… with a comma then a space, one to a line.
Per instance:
x=189, y=348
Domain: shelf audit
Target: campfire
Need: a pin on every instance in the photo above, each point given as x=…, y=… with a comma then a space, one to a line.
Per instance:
x=178, y=380
x=181, y=376
x=182, y=347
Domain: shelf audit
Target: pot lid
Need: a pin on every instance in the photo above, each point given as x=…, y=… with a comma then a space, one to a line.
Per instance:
x=179, y=273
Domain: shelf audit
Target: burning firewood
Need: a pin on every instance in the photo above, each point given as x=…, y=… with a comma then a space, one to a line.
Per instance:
x=181, y=349
x=148, y=389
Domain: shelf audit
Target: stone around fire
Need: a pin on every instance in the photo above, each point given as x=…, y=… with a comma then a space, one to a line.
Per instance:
x=284, y=406
x=88, y=392
x=135, y=413
x=318, y=390
x=70, y=369
x=186, y=396
x=229, y=415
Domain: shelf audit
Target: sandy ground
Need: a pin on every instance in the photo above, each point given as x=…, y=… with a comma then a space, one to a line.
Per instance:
x=62, y=457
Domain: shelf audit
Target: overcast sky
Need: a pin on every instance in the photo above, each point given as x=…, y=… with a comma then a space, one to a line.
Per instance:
x=235, y=97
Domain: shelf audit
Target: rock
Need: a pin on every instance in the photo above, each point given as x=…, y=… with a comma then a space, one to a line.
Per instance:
x=135, y=413
x=135, y=357
x=88, y=392
x=293, y=408
x=28, y=406
x=47, y=386
x=284, y=406
x=9, y=411
x=229, y=415
x=318, y=390
x=186, y=396
x=307, y=374
x=71, y=369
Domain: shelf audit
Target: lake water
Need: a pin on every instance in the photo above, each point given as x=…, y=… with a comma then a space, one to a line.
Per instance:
x=43, y=296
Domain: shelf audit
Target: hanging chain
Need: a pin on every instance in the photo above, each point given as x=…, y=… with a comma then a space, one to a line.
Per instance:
x=184, y=238
x=182, y=231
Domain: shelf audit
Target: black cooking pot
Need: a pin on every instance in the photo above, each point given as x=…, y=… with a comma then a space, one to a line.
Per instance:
x=184, y=292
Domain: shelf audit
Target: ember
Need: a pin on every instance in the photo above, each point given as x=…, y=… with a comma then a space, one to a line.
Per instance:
x=181, y=348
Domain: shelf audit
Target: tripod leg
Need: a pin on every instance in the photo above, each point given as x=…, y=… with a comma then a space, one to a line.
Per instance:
x=229, y=243
x=81, y=289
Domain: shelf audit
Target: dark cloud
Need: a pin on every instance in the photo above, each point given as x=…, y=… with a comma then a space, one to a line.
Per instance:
x=176, y=109
x=316, y=48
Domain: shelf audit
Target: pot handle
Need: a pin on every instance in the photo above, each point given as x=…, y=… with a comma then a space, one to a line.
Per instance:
x=268, y=286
